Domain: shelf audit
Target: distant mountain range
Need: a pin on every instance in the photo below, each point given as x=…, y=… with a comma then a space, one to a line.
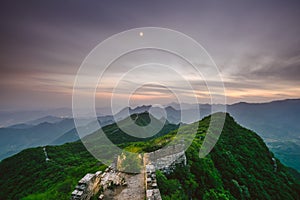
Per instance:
x=14, y=139
x=49, y=119
x=276, y=122
x=51, y=131
x=9, y=118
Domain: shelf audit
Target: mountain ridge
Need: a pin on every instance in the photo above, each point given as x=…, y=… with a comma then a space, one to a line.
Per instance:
x=277, y=122
x=239, y=165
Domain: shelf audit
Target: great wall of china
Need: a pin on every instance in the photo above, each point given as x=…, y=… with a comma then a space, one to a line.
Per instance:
x=113, y=184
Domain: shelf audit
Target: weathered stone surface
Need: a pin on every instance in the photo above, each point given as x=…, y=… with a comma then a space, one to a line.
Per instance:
x=87, y=187
x=152, y=191
x=121, y=186
x=135, y=189
x=167, y=158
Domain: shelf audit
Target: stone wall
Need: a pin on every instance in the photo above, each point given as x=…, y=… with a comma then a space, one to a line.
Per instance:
x=87, y=187
x=90, y=184
x=111, y=177
x=166, y=159
x=152, y=191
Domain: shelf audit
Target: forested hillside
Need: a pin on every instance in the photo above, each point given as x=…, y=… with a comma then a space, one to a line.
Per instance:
x=239, y=167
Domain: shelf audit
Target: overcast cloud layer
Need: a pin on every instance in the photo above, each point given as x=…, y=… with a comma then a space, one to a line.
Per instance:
x=255, y=44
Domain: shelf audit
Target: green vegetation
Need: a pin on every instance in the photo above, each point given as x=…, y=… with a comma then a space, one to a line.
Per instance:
x=27, y=174
x=130, y=162
x=117, y=136
x=239, y=167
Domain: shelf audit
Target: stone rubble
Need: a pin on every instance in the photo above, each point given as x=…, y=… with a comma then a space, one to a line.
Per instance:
x=87, y=187
x=131, y=186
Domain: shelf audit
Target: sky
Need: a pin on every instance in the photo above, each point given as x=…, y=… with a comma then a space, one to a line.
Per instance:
x=255, y=44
